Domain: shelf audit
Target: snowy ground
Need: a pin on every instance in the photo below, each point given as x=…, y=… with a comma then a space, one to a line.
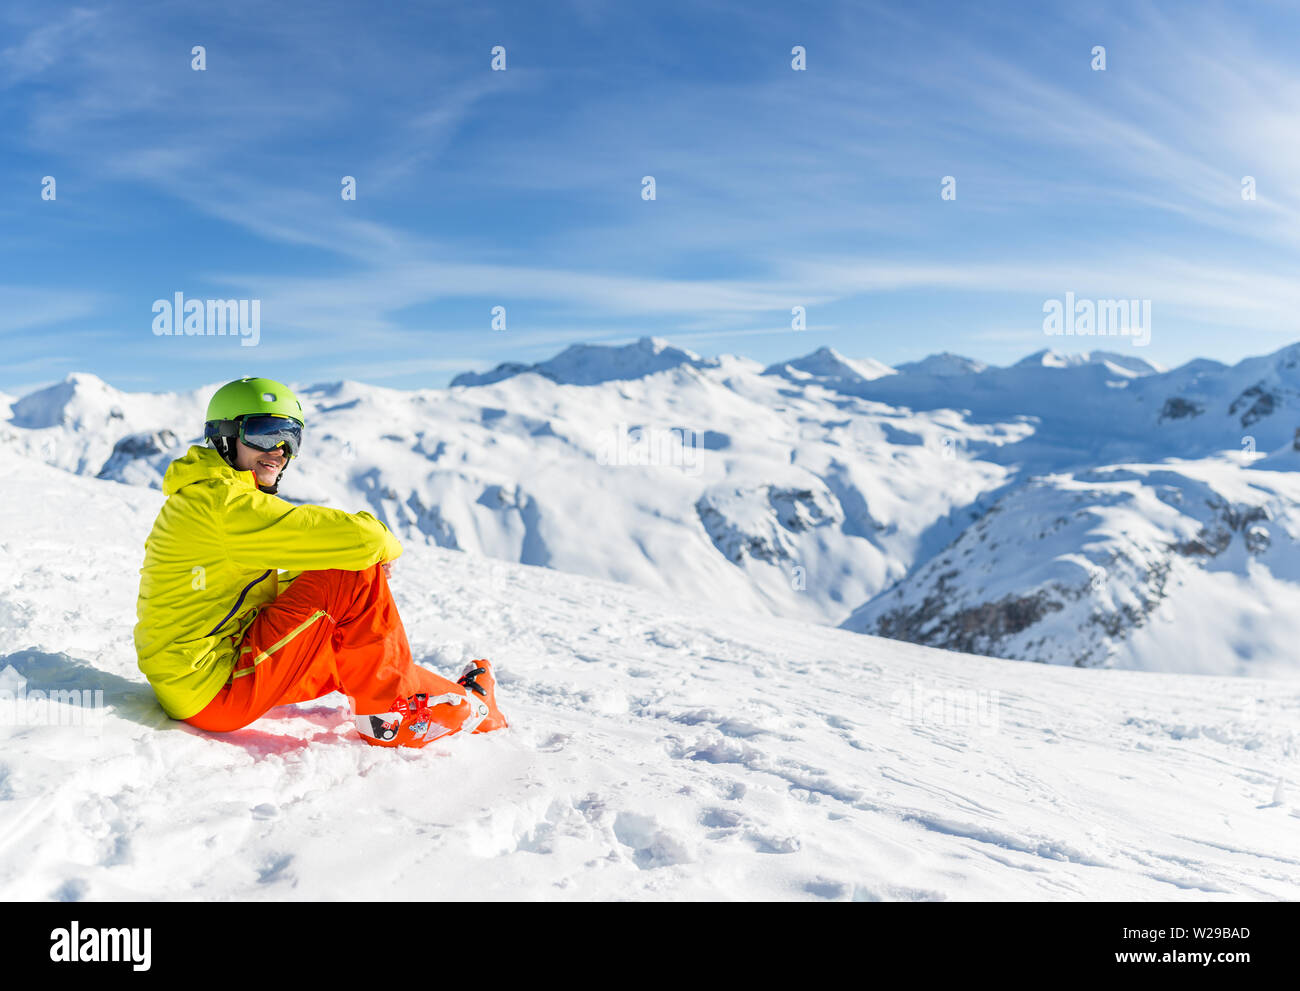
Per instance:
x=659, y=750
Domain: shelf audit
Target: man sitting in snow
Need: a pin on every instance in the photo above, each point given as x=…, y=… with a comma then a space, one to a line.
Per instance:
x=222, y=637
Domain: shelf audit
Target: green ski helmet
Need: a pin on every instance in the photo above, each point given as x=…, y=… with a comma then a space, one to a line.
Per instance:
x=263, y=413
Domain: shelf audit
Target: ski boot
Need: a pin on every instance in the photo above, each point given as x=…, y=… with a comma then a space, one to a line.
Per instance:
x=479, y=679
x=420, y=719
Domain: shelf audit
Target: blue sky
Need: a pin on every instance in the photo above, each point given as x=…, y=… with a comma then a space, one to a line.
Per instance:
x=522, y=188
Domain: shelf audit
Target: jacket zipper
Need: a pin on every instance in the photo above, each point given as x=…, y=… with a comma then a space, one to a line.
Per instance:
x=240, y=602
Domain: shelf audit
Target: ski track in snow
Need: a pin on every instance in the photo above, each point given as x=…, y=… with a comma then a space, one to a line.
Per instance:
x=659, y=749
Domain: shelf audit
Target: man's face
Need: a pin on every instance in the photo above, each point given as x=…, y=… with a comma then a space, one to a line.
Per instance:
x=265, y=465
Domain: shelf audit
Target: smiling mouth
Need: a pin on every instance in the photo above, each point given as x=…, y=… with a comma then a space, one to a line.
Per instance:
x=269, y=466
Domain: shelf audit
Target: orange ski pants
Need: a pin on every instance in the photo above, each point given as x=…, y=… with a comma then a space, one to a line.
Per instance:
x=328, y=631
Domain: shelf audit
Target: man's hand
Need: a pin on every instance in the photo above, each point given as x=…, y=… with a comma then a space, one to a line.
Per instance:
x=388, y=569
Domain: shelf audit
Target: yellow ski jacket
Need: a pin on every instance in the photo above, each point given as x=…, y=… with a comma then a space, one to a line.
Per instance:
x=211, y=563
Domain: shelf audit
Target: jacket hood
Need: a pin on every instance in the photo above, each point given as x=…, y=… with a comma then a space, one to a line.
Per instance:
x=201, y=464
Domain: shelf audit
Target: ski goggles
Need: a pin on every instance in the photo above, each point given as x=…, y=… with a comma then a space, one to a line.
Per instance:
x=266, y=432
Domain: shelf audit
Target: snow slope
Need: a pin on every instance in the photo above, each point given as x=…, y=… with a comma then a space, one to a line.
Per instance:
x=659, y=749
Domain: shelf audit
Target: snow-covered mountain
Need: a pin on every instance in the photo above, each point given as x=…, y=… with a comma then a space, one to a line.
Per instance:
x=702, y=480
x=944, y=363
x=828, y=365
x=1090, y=510
x=1153, y=560
x=1114, y=360
x=86, y=426
x=659, y=749
x=592, y=364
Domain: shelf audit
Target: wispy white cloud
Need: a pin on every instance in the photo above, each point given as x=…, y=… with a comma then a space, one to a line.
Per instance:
x=44, y=39
x=27, y=308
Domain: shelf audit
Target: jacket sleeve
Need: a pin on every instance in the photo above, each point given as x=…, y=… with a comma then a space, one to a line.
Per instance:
x=265, y=532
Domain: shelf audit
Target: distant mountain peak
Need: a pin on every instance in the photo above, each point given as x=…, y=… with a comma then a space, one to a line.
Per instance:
x=1131, y=363
x=592, y=364
x=86, y=380
x=78, y=394
x=1047, y=358
x=943, y=364
x=829, y=365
